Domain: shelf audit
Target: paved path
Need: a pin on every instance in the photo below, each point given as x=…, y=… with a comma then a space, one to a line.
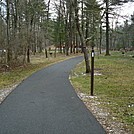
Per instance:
x=46, y=103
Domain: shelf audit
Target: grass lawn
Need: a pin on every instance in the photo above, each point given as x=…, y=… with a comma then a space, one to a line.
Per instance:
x=114, y=88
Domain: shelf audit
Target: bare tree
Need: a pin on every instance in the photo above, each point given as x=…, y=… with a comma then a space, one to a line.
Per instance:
x=75, y=4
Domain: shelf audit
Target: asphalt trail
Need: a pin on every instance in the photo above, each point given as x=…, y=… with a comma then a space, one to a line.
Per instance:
x=46, y=103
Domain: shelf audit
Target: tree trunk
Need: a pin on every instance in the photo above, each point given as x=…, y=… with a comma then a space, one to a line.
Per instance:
x=87, y=28
x=7, y=32
x=86, y=59
x=28, y=55
x=46, y=53
x=24, y=55
x=70, y=28
x=55, y=52
x=47, y=26
x=81, y=38
x=100, y=38
x=77, y=43
x=60, y=46
x=107, y=28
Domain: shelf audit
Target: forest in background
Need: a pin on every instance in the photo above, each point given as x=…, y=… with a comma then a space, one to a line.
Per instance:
x=27, y=27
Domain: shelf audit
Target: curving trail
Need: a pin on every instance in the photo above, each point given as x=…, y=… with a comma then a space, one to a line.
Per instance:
x=46, y=103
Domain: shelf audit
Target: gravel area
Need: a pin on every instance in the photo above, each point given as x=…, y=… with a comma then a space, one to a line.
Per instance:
x=102, y=115
x=5, y=92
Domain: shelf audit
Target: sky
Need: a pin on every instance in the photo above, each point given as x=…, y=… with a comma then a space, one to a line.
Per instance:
x=126, y=10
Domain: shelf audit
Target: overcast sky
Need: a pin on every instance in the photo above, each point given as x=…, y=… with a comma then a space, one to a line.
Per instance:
x=126, y=9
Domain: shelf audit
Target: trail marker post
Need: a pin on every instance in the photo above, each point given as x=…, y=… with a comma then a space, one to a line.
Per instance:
x=92, y=71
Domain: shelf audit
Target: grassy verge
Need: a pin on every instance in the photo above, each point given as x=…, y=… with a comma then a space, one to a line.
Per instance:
x=114, y=88
x=17, y=74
